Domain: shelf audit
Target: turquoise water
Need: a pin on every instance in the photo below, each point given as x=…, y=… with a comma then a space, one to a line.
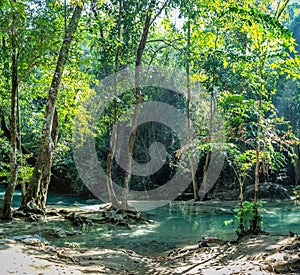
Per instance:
x=53, y=199
x=174, y=225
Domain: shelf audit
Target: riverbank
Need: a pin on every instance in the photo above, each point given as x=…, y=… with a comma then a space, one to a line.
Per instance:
x=264, y=254
x=166, y=229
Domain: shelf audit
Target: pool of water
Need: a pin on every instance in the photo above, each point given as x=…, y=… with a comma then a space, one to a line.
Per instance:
x=52, y=199
x=174, y=225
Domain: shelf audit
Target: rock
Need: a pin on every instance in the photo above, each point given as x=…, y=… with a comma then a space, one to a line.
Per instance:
x=22, y=237
x=31, y=239
x=267, y=190
x=228, y=195
x=6, y=241
x=43, y=240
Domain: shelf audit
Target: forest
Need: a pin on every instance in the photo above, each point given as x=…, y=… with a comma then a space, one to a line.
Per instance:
x=150, y=136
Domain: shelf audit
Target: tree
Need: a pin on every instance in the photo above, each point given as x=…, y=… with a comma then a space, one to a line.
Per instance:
x=114, y=200
x=36, y=194
x=240, y=46
x=287, y=99
x=261, y=40
x=150, y=18
x=6, y=212
x=188, y=102
x=266, y=44
x=35, y=43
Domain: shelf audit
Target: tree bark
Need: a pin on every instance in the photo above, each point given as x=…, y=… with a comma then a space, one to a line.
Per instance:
x=188, y=102
x=297, y=165
x=138, y=100
x=111, y=193
x=36, y=194
x=204, y=183
x=255, y=224
x=19, y=143
x=6, y=212
x=204, y=190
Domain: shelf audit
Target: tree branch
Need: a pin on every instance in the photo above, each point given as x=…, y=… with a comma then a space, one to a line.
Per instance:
x=159, y=12
x=281, y=9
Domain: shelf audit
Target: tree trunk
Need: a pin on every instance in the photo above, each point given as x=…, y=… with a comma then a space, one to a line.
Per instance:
x=188, y=102
x=6, y=212
x=255, y=225
x=204, y=183
x=111, y=193
x=205, y=189
x=297, y=165
x=36, y=194
x=138, y=100
x=19, y=143
x=241, y=221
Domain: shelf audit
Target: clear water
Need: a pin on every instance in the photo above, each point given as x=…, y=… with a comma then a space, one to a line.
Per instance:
x=173, y=225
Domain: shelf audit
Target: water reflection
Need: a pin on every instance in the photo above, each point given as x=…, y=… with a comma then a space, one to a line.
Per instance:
x=174, y=225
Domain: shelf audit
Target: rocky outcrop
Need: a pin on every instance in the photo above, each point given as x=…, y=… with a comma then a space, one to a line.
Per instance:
x=267, y=190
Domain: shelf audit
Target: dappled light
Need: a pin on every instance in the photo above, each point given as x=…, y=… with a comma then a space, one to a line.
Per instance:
x=149, y=137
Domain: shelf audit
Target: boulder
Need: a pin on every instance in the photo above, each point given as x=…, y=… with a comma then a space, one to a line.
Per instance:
x=267, y=190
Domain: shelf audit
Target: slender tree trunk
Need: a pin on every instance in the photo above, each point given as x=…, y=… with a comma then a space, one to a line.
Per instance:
x=188, y=102
x=205, y=168
x=297, y=165
x=204, y=190
x=241, y=198
x=138, y=100
x=6, y=212
x=109, y=162
x=241, y=180
x=112, y=196
x=111, y=193
x=255, y=226
x=281, y=8
x=19, y=142
x=36, y=194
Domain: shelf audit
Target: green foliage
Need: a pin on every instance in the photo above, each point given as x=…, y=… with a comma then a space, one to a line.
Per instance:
x=239, y=53
x=24, y=173
x=244, y=215
x=240, y=162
